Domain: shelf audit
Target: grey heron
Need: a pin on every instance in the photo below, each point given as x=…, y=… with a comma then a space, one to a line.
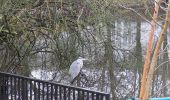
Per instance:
x=75, y=68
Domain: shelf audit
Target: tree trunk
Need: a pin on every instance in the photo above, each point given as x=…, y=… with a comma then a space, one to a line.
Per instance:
x=138, y=54
x=110, y=62
x=149, y=50
x=155, y=55
x=165, y=67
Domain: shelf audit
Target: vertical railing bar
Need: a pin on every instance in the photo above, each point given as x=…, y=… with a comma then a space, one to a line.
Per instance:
x=19, y=91
x=60, y=95
x=65, y=94
x=73, y=94
x=92, y=96
x=15, y=89
x=39, y=91
x=107, y=96
x=87, y=95
x=47, y=92
x=69, y=91
x=83, y=95
x=23, y=88
x=43, y=95
x=11, y=87
x=78, y=94
x=26, y=89
x=97, y=96
x=7, y=88
x=52, y=92
x=2, y=88
x=30, y=89
x=101, y=97
x=35, y=91
x=56, y=92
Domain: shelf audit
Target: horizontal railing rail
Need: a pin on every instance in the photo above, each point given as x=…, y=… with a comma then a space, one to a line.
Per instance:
x=15, y=87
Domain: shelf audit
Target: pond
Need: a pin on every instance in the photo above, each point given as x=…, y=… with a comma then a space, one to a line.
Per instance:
x=123, y=37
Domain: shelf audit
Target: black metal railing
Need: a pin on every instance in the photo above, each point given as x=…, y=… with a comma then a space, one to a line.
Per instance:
x=14, y=87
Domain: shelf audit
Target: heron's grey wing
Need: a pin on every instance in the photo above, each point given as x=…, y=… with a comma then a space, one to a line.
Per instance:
x=75, y=69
